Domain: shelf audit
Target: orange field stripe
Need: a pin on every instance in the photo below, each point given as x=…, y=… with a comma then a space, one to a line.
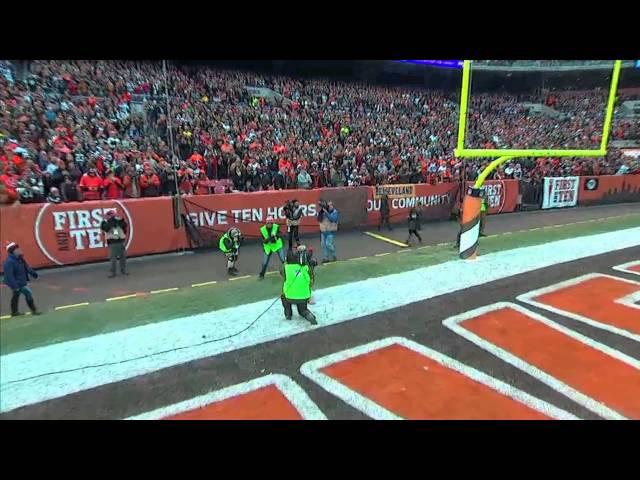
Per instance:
x=266, y=403
x=602, y=301
x=631, y=267
x=273, y=397
x=598, y=377
x=395, y=378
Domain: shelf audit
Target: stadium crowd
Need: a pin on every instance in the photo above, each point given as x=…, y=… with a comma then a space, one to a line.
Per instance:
x=543, y=63
x=82, y=130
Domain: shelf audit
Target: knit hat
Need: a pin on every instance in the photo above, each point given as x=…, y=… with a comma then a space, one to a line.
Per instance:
x=11, y=246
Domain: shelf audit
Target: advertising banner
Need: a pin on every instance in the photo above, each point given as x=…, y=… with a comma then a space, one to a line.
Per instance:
x=560, y=192
x=502, y=195
x=395, y=191
x=609, y=189
x=435, y=201
x=69, y=233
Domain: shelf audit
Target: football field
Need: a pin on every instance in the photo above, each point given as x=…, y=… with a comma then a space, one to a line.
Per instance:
x=545, y=324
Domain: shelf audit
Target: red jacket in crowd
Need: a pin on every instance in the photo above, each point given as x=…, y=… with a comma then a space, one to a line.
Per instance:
x=202, y=186
x=91, y=186
x=10, y=182
x=150, y=185
x=113, y=188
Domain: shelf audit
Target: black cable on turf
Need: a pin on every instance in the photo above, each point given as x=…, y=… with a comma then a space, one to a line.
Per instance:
x=149, y=355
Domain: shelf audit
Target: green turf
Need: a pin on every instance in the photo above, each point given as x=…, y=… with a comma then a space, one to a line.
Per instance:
x=29, y=332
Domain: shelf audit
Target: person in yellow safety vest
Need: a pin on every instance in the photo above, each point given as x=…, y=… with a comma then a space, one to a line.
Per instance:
x=271, y=242
x=255, y=102
x=230, y=245
x=483, y=216
x=296, y=289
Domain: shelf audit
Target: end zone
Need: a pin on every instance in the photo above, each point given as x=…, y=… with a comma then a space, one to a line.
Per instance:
x=563, y=359
x=624, y=322
x=426, y=392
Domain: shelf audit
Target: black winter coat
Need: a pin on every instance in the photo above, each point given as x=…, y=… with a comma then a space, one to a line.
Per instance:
x=414, y=222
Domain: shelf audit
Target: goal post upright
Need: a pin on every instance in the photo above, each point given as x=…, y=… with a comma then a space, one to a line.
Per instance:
x=471, y=207
x=611, y=103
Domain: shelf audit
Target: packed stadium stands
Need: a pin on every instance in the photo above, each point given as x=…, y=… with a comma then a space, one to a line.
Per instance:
x=91, y=129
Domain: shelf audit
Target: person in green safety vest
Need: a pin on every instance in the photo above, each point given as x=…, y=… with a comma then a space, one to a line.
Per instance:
x=483, y=214
x=344, y=131
x=296, y=289
x=255, y=102
x=271, y=243
x=230, y=245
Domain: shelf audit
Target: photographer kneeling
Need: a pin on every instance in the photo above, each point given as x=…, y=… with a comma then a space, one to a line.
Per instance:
x=298, y=280
x=328, y=218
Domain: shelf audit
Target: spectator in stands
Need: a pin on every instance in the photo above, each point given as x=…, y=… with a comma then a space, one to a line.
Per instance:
x=167, y=177
x=280, y=180
x=73, y=170
x=185, y=180
x=202, y=185
x=304, y=179
x=238, y=177
x=266, y=180
x=149, y=182
x=131, y=183
x=54, y=196
x=91, y=185
x=69, y=189
x=112, y=186
x=67, y=115
x=30, y=187
x=9, y=180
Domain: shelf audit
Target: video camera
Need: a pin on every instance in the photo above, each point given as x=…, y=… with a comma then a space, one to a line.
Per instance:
x=322, y=206
x=303, y=256
x=308, y=259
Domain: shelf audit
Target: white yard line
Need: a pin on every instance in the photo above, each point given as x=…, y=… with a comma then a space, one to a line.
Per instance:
x=313, y=370
x=290, y=389
x=382, y=293
x=626, y=266
x=628, y=301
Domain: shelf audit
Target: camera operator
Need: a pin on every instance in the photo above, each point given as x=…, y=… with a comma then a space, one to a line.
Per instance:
x=328, y=219
x=230, y=245
x=313, y=263
x=298, y=280
x=293, y=213
x=115, y=231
